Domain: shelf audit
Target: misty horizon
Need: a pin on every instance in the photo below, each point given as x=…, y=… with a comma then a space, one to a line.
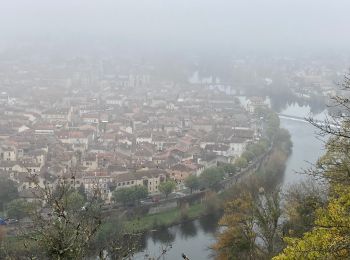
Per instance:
x=157, y=27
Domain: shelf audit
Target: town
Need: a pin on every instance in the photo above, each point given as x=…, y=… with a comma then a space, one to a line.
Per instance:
x=174, y=129
x=126, y=133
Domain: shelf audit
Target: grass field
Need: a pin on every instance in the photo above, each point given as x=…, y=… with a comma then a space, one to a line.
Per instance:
x=167, y=218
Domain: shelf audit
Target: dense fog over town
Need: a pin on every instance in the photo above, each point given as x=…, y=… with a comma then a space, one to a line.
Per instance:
x=187, y=129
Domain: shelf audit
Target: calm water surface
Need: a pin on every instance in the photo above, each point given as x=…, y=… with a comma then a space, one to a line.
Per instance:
x=307, y=145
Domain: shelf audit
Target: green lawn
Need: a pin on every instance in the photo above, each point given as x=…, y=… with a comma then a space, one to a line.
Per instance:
x=167, y=218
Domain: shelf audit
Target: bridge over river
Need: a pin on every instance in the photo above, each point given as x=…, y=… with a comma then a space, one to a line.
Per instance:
x=305, y=120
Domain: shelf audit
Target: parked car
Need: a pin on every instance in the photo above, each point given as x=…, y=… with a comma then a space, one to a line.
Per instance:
x=2, y=222
x=11, y=221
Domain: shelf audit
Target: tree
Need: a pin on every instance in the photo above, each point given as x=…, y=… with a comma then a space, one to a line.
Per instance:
x=301, y=201
x=130, y=195
x=8, y=191
x=75, y=201
x=241, y=162
x=213, y=204
x=250, y=217
x=329, y=238
x=248, y=155
x=238, y=239
x=256, y=148
x=283, y=141
x=228, y=168
x=81, y=191
x=167, y=187
x=122, y=195
x=272, y=171
x=192, y=182
x=113, y=239
x=19, y=208
x=211, y=178
x=272, y=124
x=268, y=212
x=62, y=231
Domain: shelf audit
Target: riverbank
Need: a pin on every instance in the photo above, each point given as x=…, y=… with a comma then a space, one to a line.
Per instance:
x=269, y=166
x=214, y=203
x=166, y=219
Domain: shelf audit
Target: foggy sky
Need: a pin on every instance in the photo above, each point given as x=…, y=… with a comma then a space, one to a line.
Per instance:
x=178, y=24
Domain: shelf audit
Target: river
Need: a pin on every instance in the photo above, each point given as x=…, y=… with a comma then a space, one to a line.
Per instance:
x=194, y=238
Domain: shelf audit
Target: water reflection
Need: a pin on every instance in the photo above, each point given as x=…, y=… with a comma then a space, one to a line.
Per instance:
x=142, y=246
x=209, y=223
x=163, y=235
x=187, y=230
x=193, y=238
x=317, y=104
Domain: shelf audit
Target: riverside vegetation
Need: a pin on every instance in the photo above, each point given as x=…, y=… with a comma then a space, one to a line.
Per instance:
x=310, y=220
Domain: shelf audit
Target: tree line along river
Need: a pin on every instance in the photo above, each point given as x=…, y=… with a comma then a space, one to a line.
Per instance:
x=195, y=238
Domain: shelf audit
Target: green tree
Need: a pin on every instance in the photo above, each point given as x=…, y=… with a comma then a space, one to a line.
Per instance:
x=192, y=182
x=19, y=208
x=81, y=191
x=241, y=162
x=283, y=141
x=122, y=195
x=256, y=148
x=264, y=143
x=130, y=195
x=272, y=125
x=8, y=191
x=141, y=192
x=75, y=201
x=115, y=240
x=167, y=187
x=228, y=168
x=211, y=178
x=248, y=155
